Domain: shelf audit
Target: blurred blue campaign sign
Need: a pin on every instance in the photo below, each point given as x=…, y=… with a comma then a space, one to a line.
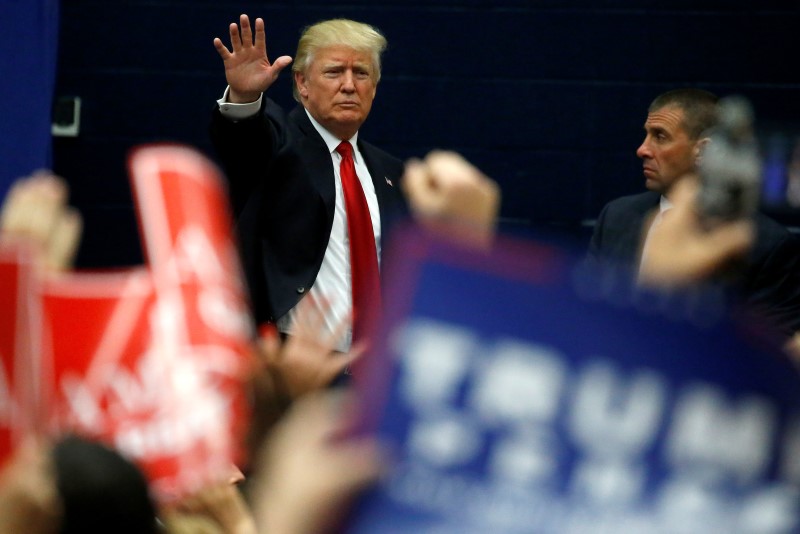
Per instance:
x=524, y=392
x=29, y=41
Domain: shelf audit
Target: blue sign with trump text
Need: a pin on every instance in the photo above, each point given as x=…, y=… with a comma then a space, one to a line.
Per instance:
x=523, y=392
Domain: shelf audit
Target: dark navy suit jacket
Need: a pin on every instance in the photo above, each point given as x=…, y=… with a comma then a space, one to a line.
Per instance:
x=768, y=279
x=281, y=185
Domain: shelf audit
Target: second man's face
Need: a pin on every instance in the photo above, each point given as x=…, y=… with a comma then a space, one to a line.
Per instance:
x=338, y=88
x=667, y=153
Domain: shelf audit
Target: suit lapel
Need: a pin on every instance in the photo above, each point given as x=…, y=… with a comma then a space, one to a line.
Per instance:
x=317, y=158
x=376, y=171
x=381, y=181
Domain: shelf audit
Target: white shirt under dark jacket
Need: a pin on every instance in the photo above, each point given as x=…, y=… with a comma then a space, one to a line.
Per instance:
x=663, y=206
x=332, y=285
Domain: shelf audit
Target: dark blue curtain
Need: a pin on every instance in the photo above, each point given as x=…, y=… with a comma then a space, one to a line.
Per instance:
x=28, y=51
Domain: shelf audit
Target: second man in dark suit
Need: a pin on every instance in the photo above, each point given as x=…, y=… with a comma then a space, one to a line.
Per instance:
x=769, y=279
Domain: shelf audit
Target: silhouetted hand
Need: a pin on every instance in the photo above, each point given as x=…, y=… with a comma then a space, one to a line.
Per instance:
x=247, y=67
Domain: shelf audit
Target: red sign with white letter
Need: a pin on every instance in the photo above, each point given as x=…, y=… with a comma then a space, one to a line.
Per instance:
x=152, y=360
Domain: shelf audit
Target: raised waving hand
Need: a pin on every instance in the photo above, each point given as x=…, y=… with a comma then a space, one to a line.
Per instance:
x=247, y=67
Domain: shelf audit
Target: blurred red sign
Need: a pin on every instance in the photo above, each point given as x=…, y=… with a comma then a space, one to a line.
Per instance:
x=18, y=385
x=152, y=360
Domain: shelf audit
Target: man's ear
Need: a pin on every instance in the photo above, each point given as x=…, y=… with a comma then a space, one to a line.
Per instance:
x=300, y=83
x=699, y=148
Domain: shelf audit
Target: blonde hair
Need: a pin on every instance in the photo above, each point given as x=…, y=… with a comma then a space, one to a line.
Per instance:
x=338, y=32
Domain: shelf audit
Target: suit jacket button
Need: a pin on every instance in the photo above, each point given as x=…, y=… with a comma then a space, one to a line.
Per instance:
x=301, y=290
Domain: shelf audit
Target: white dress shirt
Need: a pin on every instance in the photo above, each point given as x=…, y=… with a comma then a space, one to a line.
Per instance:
x=663, y=205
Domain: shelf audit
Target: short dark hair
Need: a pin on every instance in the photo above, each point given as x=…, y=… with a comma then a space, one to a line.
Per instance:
x=699, y=108
x=100, y=490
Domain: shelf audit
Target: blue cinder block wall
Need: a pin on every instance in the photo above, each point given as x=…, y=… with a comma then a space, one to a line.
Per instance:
x=548, y=97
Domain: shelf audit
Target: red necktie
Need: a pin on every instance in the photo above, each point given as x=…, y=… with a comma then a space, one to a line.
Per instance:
x=364, y=273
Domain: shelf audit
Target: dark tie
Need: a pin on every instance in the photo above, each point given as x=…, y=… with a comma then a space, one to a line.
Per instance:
x=364, y=274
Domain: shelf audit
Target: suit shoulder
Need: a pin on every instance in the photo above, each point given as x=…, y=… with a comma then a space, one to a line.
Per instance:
x=638, y=202
x=390, y=164
x=378, y=152
x=629, y=209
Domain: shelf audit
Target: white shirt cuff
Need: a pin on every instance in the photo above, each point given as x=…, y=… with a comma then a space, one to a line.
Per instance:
x=236, y=112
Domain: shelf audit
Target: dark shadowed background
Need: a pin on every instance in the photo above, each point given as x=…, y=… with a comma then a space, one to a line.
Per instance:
x=548, y=97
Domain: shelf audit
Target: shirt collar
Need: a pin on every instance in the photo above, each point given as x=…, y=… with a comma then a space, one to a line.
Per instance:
x=664, y=204
x=331, y=141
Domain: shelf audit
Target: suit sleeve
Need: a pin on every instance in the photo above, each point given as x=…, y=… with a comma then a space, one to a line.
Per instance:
x=246, y=148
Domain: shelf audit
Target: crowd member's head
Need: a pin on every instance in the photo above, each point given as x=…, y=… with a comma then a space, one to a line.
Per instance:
x=336, y=72
x=100, y=490
x=674, y=135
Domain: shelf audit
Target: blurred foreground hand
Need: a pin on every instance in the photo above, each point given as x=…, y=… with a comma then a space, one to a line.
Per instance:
x=35, y=210
x=793, y=347
x=308, y=470
x=307, y=360
x=680, y=250
x=450, y=196
x=217, y=507
x=29, y=499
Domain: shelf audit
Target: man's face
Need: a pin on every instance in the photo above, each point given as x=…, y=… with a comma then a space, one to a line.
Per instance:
x=337, y=89
x=667, y=153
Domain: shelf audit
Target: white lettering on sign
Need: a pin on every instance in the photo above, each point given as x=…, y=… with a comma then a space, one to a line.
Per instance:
x=446, y=440
x=436, y=359
x=169, y=435
x=84, y=408
x=194, y=257
x=137, y=391
x=616, y=416
x=528, y=457
x=712, y=433
x=520, y=382
x=609, y=482
x=772, y=509
x=220, y=305
x=628, y=445
x=224, y=312
x=166, y=402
